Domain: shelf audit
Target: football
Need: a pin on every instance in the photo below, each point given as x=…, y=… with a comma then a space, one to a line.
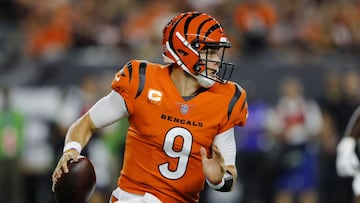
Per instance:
x=78, y=184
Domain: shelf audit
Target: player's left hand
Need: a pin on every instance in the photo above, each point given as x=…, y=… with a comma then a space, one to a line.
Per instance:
x=213, y=167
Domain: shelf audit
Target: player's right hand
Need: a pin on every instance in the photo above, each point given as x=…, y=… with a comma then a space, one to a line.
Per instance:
x=62, y=167
x=347, y=163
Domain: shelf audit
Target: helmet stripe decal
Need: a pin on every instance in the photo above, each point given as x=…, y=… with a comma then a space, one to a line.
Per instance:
x=171, y=21
x=187, y=22
x=214, y=27
x=186, y=43
x=142, y=69
x=200, y=27
x=172, y=32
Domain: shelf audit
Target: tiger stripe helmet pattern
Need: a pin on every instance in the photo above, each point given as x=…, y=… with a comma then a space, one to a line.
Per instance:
x=188, y=33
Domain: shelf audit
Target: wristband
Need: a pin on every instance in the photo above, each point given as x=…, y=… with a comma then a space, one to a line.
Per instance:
x=72, y=145
x=225, y=185
x=216, y=186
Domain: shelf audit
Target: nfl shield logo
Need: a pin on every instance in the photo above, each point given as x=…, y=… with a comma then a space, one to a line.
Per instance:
x=184, y=108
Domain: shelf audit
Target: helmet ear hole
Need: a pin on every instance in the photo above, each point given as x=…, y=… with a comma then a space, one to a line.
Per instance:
x=198, y=68
x=196, y=45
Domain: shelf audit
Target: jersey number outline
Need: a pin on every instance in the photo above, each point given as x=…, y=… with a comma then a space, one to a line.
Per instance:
x=182, y=155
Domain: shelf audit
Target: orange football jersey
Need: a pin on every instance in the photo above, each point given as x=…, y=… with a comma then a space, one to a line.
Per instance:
x=162, y=154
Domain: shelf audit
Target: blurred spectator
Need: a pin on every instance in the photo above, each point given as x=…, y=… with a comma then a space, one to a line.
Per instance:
x=350, y=83
x=52, y=28
x=296, y=124
x=332, y=189
x=310, y=31
x=10, y=46
x=140, y=31
x=209, y=6
x=11, y=147
x=48, y=29
x=350, y=86
x=341, y=31
x=37, y=160
x=350, y=98
x=100, y=23
x=284, y=33
x=38, y=104
x=254, y=20
x=355, y=21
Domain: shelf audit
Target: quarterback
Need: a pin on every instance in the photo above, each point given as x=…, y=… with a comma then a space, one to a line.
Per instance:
x=181, y=113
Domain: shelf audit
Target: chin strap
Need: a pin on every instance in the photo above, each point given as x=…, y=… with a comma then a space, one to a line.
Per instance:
x=204, y=81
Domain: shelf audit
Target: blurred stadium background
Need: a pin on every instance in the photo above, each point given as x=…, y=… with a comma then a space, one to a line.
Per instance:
x=57, y=57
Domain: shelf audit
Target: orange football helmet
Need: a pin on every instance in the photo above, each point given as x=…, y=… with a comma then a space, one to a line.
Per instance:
x=188, y=33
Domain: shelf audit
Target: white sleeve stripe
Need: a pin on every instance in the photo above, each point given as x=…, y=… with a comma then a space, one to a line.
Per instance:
x=108, y=110
x=227, y=146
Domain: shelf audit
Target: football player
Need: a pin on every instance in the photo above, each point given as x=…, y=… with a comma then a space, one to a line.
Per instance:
x=347, y=160
x=181, y=113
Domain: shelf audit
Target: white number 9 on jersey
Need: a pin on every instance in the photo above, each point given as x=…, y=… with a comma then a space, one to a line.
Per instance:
x=182, y=155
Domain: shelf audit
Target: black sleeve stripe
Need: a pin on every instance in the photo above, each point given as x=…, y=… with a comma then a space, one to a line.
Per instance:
x=142, y=69
x=233, y=101
x=243, y=105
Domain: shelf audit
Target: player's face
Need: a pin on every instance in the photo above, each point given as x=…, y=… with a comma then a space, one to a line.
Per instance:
x=211, y=57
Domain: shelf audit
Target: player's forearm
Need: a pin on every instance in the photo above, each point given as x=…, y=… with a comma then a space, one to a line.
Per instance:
x=80, y=131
